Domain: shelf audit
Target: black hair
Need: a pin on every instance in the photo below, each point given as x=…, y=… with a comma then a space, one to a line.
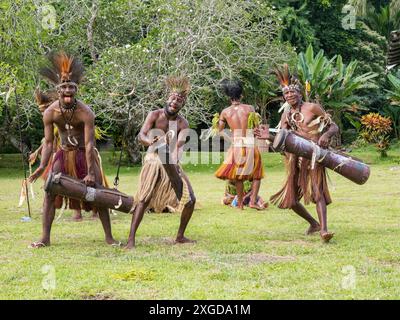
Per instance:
x=232, y=88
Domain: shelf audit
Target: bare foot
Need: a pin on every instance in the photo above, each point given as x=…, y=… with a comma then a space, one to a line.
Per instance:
x=326, y=236
x=113, y=242
x=130, y=245
x=38, y=244
x=313, y=229
x=184, y=240
x=255, y=206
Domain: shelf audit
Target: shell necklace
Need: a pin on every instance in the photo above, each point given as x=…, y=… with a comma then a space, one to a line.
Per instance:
x=64, y=112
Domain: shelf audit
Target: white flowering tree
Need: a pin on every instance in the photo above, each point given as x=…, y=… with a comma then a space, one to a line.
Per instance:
x=206, y=40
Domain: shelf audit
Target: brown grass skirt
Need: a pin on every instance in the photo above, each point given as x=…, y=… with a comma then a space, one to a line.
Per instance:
x=155, y=186
x=302, y=181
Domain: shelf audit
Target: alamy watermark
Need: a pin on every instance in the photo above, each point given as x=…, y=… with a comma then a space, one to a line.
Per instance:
x=349, y=20
x=47, y=14
x=49, y=280
x=349, y=278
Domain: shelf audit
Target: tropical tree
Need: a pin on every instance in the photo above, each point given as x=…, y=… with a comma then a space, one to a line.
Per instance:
x=297, y=28
x=333, y=83
x=394, y=109
x=205, y=40
x=384, y=20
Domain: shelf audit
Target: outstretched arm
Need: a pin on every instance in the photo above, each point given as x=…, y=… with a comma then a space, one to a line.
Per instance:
x=33, y=156
x=89, y=148
x=47, y=146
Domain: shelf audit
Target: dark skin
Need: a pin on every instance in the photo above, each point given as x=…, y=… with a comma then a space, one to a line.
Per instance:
x=310, y=112
x=236, y=116
x=77, y=212
x=160, y=119
x=83, y=131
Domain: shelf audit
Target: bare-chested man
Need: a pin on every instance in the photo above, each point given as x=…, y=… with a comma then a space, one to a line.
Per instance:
x=243, y=160
x=310, y=121
x=76, y=156
x=159, y=177
x=44, y=100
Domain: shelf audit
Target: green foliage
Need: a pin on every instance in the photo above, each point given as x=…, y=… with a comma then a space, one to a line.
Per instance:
x=237, y=256
x=394, y=94
x=383, y=20
x=333, y=83
x=297, y=29
x=207, y=41
x=393, y=110
x=360, y=43
x=376, y=129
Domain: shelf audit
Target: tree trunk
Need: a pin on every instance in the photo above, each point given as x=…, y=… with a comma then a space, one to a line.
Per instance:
x=134, y=151
x=90, y=28
x=17, y=144
x=133, y=147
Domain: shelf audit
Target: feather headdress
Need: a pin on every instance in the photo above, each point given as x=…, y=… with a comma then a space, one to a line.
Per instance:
x=179, y=85
x=63, y=69
x=44, y=99
x=286, y=80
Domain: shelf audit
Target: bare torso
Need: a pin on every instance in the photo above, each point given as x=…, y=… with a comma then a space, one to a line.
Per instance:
x=236, y=116
x=310, y=111
x=158, y=120
x=76, y=120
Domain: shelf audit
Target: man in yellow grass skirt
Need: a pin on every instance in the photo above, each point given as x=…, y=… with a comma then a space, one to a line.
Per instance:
x=44, y=100
x=156, y=185
x=243, y=160
x=76, y=155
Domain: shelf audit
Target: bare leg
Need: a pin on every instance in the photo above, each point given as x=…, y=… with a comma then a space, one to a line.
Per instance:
x=47, y=221
x=302, y=212
x=186, y=215
x=136, y=219
x=49, y=211
x=104, y=214
x=77, y=215
x=106, y=223
x=240, y=193
x=255, y=188
x=322, y=215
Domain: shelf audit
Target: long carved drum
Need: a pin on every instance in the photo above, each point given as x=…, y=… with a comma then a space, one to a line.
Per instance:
x=101, y=197
x=349, y=167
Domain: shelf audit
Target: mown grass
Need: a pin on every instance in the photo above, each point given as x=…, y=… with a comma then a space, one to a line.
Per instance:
x=239, y=255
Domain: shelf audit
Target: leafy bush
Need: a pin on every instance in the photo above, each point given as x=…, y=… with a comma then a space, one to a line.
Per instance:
x=376, y=129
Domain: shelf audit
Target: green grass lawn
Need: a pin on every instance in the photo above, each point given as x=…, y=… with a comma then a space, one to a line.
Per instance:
x=239, y=255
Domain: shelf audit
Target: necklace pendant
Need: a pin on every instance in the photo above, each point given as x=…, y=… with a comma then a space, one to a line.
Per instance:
x=68, y=126
x=72, y=140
